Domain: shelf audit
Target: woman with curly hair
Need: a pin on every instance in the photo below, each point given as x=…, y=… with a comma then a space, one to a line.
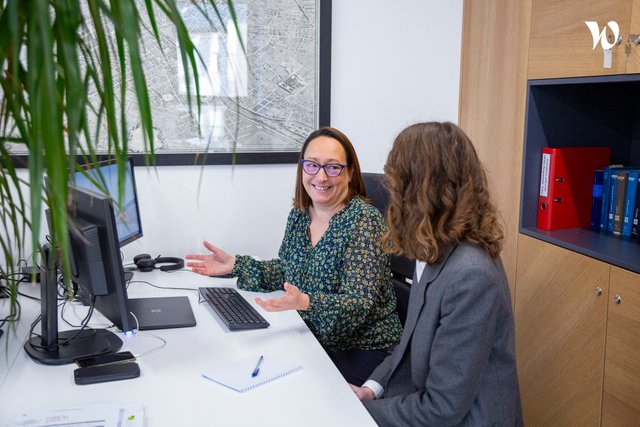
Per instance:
x=455, y=364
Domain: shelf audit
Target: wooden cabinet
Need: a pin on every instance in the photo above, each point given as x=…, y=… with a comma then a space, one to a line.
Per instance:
x=560, y=311
x=561, y=44
x=577, y=338
x=621, y=399
x=578, y=352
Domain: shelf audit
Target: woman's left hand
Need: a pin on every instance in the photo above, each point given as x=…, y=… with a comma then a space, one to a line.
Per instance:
x=292, y=300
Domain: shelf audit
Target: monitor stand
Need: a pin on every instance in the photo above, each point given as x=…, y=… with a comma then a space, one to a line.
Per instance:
x=89, y=342
x=60, y=348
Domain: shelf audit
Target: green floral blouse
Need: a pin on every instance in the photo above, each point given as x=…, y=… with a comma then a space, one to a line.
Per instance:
x=346, y=275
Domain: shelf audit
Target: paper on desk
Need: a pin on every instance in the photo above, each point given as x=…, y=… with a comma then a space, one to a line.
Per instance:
x=237, y=375
x=97, y=415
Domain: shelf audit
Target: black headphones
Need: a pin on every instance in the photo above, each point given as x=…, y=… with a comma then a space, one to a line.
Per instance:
x=145, y=263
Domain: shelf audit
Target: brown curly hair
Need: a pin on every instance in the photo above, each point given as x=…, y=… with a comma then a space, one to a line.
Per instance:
x=438, y=194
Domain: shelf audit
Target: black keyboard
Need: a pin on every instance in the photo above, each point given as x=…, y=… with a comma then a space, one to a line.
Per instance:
x=234, y=310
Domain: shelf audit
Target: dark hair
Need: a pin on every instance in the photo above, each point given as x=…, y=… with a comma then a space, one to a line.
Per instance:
x=438, y=194
x=301, y=199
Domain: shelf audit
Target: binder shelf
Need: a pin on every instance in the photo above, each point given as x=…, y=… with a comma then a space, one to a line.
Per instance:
x=599, y=111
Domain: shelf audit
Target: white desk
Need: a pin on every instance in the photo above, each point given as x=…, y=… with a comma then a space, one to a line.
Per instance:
x=171, y=387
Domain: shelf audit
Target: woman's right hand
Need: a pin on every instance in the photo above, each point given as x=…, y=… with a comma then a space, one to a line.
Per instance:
x=217, y=263
x=363, y=393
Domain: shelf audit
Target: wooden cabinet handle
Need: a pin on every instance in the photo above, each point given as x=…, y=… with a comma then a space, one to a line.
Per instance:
x=617, y=299
x=598, y=291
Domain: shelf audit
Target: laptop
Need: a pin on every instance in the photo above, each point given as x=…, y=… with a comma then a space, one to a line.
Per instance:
x=162, y=312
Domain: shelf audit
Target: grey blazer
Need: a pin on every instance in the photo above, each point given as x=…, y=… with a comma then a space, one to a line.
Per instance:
x=455, y=363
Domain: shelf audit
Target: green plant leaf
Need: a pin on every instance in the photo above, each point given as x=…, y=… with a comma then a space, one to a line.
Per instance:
x=60, y=61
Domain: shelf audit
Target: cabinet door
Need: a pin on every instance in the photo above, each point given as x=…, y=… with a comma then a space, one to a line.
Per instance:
x=621, y=400
x=560, y=333
x=561, y=44
x=633, y=60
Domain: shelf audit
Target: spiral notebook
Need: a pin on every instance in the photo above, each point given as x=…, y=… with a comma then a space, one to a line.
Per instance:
x=237, y=375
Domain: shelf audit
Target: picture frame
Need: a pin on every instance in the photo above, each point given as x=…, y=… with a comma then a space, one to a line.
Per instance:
x=254, y=111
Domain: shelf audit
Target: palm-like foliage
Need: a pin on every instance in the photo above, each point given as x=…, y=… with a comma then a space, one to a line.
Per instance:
x=46, y=71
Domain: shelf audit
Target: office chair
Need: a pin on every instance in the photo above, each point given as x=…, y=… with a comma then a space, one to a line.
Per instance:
x=401, y=268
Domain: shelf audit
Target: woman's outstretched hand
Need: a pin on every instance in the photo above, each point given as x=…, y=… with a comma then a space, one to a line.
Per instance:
x=217, y=263
x=292, y=300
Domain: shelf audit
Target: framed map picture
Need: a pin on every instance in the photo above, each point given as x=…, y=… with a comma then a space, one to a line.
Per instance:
x=261, y=93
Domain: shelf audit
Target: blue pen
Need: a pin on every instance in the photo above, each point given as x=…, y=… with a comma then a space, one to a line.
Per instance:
x=256, y=370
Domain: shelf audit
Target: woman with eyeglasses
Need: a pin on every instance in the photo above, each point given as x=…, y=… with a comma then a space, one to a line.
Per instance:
x=331, y=264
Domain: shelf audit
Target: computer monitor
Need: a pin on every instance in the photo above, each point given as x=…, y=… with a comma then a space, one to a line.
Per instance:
x=95, y=252
x=103, y=177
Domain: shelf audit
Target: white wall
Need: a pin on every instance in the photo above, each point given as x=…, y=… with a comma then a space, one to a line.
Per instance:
x=242, y=210
x=393, y=63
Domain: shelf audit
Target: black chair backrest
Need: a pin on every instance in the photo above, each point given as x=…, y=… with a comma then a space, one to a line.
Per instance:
x=402, y=268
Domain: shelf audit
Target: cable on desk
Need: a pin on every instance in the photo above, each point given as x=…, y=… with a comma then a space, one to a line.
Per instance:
x=6, y=276
x=137, y=333
x=13, y=316
x=179, y=270
x=136, y=319
x=64, y=305
x=171, y=288
x=14, y=311
x=63, y=291
x=29, y=297
x=83, y=327
x=6, y=292
x=153, y=350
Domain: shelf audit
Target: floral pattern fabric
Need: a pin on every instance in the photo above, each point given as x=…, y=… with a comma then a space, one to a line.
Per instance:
x=346, y=275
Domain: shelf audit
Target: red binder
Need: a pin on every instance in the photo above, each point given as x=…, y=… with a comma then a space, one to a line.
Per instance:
x=566, y=181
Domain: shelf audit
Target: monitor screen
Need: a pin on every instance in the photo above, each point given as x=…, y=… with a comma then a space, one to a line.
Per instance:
x=95, y=252
x=103, y=178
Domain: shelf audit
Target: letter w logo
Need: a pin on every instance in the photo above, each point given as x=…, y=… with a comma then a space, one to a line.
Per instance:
x=602, y=36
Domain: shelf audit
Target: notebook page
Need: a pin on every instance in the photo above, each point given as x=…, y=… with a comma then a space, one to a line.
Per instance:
x=237, y=374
